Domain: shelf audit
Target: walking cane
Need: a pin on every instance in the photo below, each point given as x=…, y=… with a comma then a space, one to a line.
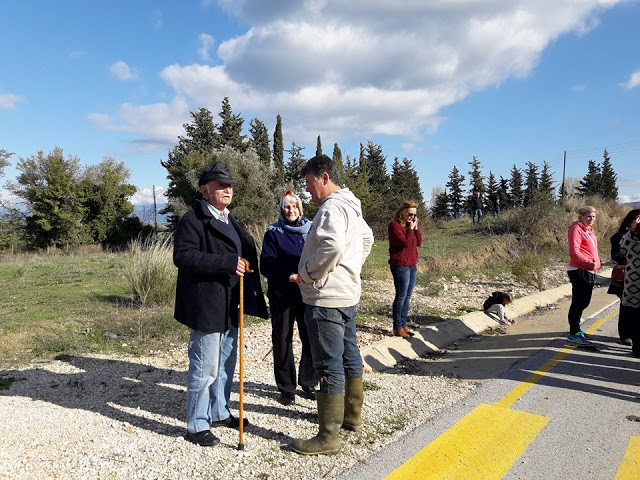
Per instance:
x=241, y=348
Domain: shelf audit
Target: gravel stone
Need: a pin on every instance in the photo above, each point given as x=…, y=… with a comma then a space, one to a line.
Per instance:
x=107, y=417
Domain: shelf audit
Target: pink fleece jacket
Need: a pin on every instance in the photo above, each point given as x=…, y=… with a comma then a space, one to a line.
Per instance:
x=583, y=247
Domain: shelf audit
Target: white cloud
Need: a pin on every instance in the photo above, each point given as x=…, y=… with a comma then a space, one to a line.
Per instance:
x=8, y=101
x=365, y=67
x=76, y=54
x=633, y=81
x=207, y=42
x=122, y=71
x=578, y=88
x=157, y=20
x=144, y=196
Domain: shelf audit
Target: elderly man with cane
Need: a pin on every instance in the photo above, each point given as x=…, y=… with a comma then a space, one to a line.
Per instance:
x=209, y=245
x=329, y=278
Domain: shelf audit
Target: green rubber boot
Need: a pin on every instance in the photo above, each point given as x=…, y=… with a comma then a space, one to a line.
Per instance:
x=330, y=414
x=353, y=398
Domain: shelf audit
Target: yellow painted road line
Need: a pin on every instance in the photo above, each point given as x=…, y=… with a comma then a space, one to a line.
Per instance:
x=483, y=445
x=486, y=442
x=630, y=467
x=535, y=377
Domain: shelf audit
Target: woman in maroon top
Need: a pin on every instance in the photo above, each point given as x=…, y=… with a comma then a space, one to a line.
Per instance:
x=404, y=240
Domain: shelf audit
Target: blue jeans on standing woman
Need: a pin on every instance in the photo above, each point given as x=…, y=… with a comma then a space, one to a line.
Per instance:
x=404, y=279
x=212, y=360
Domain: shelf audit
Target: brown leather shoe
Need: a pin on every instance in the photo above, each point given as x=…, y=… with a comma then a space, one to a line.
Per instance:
x=399, y=332
x=408, y=332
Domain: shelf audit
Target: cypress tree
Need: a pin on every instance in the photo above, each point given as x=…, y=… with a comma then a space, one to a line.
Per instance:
x=337, y=158
x=278, y=153
x=318, y=147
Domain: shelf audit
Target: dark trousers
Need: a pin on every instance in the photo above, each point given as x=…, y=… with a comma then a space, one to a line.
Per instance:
x=633, y=316
x=284, y=368
x=626, y=320
x=581, y=289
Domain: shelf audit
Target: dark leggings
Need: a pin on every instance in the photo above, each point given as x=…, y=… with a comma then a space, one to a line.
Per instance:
x=582, y=287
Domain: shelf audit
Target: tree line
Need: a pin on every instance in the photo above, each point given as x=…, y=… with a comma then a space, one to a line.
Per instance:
x=267, y=169
x=66, y=204
x=524, y=187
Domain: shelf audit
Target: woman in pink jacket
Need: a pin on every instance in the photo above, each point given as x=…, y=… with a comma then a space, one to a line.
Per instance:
x=583, y=263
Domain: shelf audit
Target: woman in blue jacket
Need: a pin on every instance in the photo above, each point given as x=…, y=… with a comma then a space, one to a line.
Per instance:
x=281, y=249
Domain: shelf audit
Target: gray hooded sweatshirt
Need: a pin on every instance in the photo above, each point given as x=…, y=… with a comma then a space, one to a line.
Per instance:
x=337, y=245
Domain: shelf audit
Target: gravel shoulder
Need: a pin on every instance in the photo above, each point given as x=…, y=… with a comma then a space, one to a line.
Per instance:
x=106, y=417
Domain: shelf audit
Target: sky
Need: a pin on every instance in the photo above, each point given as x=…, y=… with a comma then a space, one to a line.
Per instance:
x=437, y=81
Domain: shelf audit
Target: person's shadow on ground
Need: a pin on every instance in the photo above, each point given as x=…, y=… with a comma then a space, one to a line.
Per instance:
x=141, y=395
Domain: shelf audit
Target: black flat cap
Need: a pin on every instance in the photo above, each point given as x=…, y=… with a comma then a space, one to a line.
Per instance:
x=217, y=171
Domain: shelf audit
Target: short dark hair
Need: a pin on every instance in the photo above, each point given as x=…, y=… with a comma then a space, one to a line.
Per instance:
x=319, y=165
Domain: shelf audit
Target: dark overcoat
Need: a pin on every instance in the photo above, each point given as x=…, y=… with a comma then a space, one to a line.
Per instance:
x=208, y=289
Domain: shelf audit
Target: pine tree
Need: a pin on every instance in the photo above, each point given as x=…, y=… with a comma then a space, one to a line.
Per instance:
x=476, y=180
x=503, y=193
x=376, y=168
x=260, y=141
x=531, y=181
x=456, y=193
x=278, y=153
x=193, y=150
x=545, y=187
x=318, y=147
x=337, y=158
x=515, y=188
x=293, y=168
x=591, y=183
x=608, y=182
x=440, y=207
x=405, y=184
x=492, y=193
x=231, y=128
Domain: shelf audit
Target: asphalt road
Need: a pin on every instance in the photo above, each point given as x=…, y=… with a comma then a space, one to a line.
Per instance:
x=544, y=409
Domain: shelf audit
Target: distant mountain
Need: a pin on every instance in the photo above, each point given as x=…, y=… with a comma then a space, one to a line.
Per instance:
x=632, y=204
x=145, y=213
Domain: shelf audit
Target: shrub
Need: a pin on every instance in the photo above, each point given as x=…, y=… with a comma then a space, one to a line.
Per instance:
x=150, y=271
x=529, y=269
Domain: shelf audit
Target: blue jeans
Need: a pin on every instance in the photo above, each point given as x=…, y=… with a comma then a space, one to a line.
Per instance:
x=404, y=279
x=334, y=347
x=212, y=361
x=477, y=215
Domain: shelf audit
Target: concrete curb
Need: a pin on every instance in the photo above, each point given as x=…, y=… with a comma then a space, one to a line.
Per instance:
x=432, y=338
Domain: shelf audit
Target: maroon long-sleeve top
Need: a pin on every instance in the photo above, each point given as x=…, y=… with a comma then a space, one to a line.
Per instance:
x=403, y=245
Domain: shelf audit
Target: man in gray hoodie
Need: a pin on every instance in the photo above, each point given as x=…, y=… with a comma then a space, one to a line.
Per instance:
x=337, y=245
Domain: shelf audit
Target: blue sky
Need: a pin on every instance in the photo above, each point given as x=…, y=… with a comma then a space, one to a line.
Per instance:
x=437, y=82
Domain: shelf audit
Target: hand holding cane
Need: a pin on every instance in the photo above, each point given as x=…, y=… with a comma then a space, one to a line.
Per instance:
x=241, y=348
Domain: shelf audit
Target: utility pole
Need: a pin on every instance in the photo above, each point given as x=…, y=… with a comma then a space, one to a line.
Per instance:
x=155, y=210
x=564, y=167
